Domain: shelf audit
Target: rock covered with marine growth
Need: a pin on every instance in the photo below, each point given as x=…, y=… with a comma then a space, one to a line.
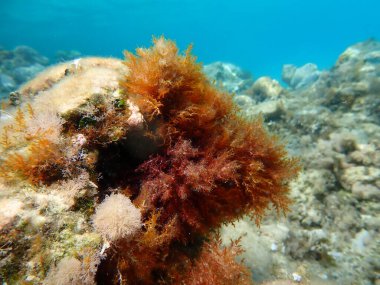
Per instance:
x=48, y=225
x=114, y=171
x=330, y=119
x=18, y=66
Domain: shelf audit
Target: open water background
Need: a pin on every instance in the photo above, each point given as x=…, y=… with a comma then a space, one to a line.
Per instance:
x=259, y=36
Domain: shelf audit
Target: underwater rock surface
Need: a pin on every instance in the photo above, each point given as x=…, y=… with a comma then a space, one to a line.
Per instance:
x=17, y=66
x=299, y=77
x=330, y=235
x=232, y=78
x=329, y=119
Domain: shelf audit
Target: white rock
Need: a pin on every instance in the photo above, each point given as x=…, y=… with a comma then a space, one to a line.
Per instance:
x=296, y=277
x=361, y=240
x=365, y=191
x=273, y=247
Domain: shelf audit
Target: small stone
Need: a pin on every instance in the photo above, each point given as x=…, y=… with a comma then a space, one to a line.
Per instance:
x=366, y=155
x=266, y=87
x=313, y=218
x=15, y=98
x=365, y=191
x=361, y=240
x=30, y=278
x=371, y=222
x=271, y=110
x=243, y=101
x=358, y=174
x=296, y=277
x=273, y=247
x=317, y=236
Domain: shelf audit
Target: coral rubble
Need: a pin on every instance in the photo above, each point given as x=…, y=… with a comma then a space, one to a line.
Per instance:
x=123, y=173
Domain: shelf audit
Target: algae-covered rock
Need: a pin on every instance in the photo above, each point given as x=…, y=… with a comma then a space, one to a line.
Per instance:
x=300, y=77
x=53, y=221
x=231, y=77
x=119, y=173
x=7, y=83
x=67, y=86
x=352, y=82
x=18, y=66
x=265, y=88
x=332, y=122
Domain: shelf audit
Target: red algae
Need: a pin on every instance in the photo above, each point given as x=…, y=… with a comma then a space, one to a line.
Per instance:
x=212, y=167
x=181, y=151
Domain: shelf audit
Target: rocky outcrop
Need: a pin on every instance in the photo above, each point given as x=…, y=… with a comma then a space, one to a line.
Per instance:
x=18, y=66
x=331, y=120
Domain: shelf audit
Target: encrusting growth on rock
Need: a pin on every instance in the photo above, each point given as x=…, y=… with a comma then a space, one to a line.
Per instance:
x=183, y=159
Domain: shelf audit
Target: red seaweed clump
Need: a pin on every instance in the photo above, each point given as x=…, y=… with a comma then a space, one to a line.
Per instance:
x=211, y=166
x=165, y=137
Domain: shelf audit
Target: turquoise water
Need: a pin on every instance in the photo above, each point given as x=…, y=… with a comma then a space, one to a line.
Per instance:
x=259, y=36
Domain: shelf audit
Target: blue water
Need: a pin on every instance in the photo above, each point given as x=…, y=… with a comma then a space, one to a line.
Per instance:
x=259, y=36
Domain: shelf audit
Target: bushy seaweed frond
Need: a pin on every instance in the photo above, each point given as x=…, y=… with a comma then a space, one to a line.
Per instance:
x=265, y=168
x=30, y=147
x=161, y=71
x=215, y=165
x=215, y=265
x=184, y=179
x=5, y=138
x=155, y=235
x=19, y=121
x=40, y=162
